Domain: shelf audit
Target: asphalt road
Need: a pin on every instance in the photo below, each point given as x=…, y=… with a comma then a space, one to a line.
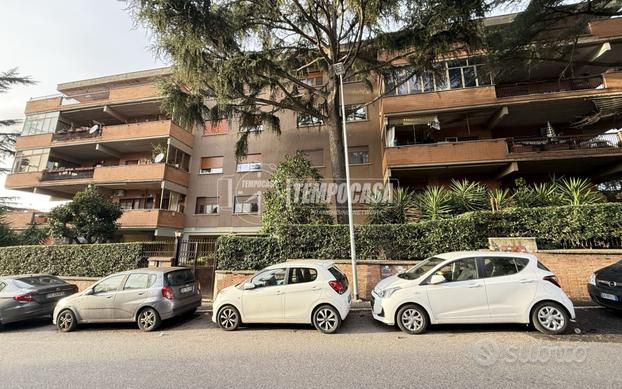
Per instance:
x=192, y=352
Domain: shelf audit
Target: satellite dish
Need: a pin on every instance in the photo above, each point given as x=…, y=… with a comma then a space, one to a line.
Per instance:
x=159, y=158
x=94, y=129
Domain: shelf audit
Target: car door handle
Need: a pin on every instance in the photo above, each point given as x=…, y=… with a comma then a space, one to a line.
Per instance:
x=278, y=293
x=475, y=286
x=141, y=293
x=316, y=288
x=527, y=281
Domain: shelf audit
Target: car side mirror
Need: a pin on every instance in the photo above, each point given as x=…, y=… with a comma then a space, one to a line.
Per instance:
x=248, y=286
x=89, y=291
x=437, y=279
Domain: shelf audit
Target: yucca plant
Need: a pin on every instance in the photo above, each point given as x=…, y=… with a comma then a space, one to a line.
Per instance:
x=578, y=191
x=434, y=203
x=396, y=210
x=467, y=196
x=499, y=199
x=545, y=194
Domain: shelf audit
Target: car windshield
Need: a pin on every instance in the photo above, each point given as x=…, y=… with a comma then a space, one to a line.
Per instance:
x=39, y=281
x=421, y=268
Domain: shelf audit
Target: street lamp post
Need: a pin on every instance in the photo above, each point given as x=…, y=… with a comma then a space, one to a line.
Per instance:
x=339, y=70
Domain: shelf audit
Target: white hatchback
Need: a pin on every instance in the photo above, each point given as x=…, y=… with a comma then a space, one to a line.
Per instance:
x=473, y=287
x=314, y=292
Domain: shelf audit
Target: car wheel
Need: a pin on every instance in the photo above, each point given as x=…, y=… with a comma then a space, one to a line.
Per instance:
x=229, y=318
x=66, y=321
x=550, y=318
x=148, y=320
x=326, y=319
x=412, y=319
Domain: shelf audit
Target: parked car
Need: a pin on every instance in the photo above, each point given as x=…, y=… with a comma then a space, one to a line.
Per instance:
x=314, y=292
x=145, y=296
x=605, y=286
x=473, y=287
x=26, y=297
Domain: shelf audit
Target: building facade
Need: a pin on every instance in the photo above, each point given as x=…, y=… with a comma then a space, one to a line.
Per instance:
x=456, y=123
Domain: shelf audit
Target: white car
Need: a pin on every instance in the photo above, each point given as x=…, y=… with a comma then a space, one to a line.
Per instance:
x=473, y=287
x=315, y=292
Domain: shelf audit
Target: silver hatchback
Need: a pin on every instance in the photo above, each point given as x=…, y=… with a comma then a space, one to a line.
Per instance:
x=144, y=296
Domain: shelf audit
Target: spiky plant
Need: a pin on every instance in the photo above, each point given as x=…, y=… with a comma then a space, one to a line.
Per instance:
x=467, y=196
x=545, y=194
x=399, y=209
x=522, y=195
x=499, y=199
x=434, y=203
x=578, y=191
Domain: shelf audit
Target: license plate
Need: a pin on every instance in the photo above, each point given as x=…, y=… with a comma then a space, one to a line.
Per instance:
x=609, y=296
x=55, y=294
x=186, y=289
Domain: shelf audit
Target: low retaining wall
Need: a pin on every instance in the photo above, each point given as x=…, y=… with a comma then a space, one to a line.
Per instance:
x=572, y=267
x=81, y=282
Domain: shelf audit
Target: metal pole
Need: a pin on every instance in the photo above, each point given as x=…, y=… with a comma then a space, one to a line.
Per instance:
x=355, y=289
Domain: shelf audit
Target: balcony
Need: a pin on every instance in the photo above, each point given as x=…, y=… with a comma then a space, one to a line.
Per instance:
x=151, y=219
x=535, y=147
x=548, y=86
x=66, y=181
x=447, y=153
x=111, y=133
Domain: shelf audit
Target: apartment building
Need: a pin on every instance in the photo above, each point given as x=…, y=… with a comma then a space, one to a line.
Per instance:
x=457, y=123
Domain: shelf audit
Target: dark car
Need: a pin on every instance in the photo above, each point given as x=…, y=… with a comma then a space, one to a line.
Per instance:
x=27, y=297
x=605, y=286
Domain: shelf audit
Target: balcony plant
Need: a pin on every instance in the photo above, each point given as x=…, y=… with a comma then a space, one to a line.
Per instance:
x=157, y=149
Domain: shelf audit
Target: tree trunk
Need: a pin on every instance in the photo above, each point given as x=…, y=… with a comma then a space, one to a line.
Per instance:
x=335, y=147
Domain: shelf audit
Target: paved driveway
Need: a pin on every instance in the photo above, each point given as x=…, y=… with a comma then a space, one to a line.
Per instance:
x=192, y=352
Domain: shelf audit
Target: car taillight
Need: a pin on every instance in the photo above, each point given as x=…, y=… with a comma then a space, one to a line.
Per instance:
x=168, y=293
x=337, y=286
x=553, y=280
x=24, y=298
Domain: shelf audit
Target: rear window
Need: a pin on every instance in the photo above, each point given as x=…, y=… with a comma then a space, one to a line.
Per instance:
x=179, y=277
x=41, y=280
x=339, y=276
x=541, y=266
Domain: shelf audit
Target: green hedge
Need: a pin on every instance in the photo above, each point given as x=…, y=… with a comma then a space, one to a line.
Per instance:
x=94, y=260
x=236, y=252
x=593, y=226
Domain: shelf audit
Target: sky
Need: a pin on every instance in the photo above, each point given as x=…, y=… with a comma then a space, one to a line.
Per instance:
x=56, y=41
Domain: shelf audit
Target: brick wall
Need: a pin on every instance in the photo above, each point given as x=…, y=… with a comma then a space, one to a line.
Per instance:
x=572, y=267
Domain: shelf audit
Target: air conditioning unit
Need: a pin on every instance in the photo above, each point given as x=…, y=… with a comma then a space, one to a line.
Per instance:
x=119, y=193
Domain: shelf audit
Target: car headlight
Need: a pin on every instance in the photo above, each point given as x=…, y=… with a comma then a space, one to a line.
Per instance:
x=592, y=280
x=386, y=293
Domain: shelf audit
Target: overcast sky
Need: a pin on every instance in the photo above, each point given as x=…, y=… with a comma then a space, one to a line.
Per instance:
x=55, y=41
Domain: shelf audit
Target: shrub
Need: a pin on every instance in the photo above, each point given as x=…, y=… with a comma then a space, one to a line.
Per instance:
x=246, y=252
x=96, y=260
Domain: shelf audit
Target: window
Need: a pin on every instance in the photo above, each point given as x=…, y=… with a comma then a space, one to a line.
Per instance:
x=178, y=158
x=250, y=163
x=503, y=266
x=461, y=270
x=542, y=267
x=40, y=123
x=313, y=81
x=358, y=155
x=31, y=160
x=179, y=277
x=299, y=275
x=131, y=162
x=272, y=277
x=41, y=281
x=2, y=286
x=206, y=206
x=110, y=284
x=139, y=281
x=255, y=124
x=246, y=204
x=218, y=128
x=211, y=165
x=339, y=276
x=304, y=120
x=356, y=113
x=136, y=203
x=454, y=74
x=315, y=157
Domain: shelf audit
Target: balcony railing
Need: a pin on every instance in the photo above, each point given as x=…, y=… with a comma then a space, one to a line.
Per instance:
x=67, y=173
x=78, y=133
x=560, y=143
x=548, y=86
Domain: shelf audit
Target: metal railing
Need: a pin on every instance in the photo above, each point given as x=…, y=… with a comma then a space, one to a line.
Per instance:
x=79, y=133
x=548, y=86
x=569, y=244
x=67, y=173
x=159, y=249
x=558, y=143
